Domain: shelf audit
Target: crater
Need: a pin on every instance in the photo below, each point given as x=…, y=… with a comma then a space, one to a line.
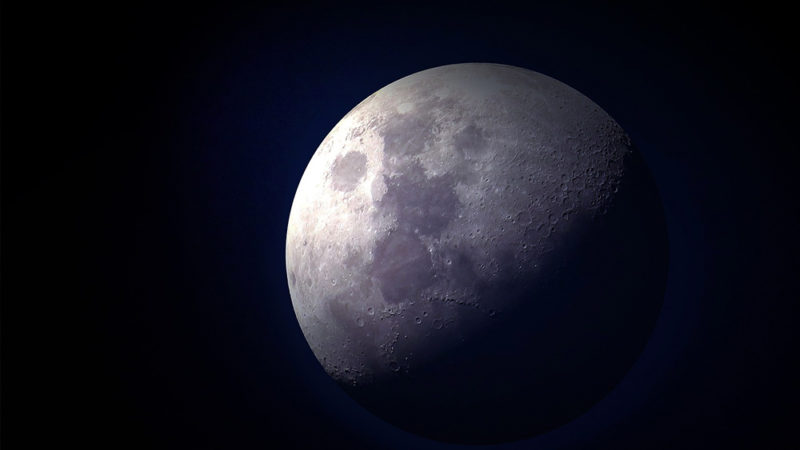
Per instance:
x=348, y=170
x=458, y=268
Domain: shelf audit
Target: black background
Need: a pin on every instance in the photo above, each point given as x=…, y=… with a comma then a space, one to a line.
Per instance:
x=150, y=154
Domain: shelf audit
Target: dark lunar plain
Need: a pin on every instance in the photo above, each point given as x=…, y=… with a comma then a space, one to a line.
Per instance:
x=150, y=154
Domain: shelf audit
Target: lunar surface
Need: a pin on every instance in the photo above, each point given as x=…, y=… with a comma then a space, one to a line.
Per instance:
x=476, y=253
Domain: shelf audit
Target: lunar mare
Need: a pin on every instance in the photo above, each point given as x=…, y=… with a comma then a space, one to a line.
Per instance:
x=443, y=206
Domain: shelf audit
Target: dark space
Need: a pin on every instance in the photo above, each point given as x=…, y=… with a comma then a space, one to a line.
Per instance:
x=150, y=154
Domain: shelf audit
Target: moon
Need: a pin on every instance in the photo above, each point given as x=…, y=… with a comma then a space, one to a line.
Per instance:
x=477, y=253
